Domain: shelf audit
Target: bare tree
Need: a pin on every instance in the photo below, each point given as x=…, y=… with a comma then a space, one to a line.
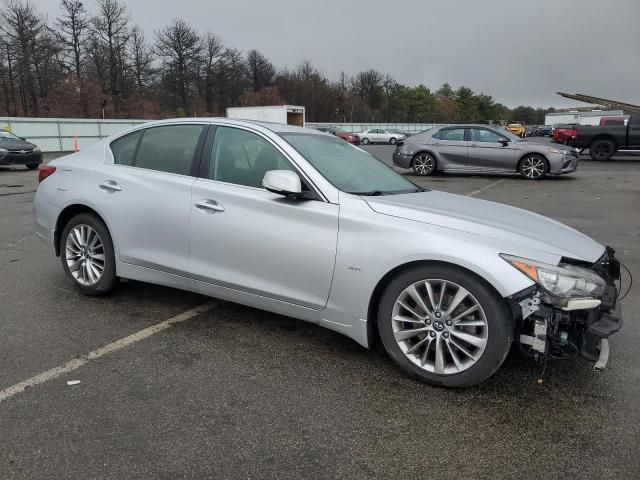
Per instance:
x=261, y=70
x=112, y=31
x=180, y=47
x=21, y=25
x=213, y=56
x=72, y=29
x=142, y=58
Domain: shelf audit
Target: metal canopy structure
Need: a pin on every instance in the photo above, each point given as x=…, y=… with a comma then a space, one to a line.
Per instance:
x=612, y=104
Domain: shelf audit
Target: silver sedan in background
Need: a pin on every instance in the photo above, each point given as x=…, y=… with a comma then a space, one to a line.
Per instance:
x=380, y=135
x=482, y=149
x=302, y=223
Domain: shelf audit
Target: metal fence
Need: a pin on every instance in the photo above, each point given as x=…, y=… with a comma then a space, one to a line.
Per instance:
x=361, y=127
x=59, y=134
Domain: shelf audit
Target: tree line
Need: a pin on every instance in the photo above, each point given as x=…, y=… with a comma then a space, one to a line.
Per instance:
x=95, y=63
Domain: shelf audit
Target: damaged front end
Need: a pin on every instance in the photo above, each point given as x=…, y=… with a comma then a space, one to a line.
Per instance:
x=571, y=311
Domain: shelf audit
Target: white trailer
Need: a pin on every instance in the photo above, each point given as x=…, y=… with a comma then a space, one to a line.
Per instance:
x=286, y=114
x=582, y=118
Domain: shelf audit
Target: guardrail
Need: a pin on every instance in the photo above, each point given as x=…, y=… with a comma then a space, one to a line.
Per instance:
x=59, y=134
x=361, y=127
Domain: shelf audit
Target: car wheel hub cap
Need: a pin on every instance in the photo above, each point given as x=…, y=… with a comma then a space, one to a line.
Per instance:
x=84, y=254
x=423, y=164
x=452, y=343
x=533, y=167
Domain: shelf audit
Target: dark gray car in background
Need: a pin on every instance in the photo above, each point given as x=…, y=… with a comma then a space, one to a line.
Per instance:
x=15, y=150
x=482, y=149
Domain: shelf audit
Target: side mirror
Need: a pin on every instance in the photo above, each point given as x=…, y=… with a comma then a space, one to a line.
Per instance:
x=282, y=182
x=504, y=141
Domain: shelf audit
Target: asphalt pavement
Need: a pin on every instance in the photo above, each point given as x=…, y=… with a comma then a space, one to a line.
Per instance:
x=240, y=393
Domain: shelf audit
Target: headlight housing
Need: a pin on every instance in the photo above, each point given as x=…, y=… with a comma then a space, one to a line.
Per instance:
x=560, y=283
x=557, y=150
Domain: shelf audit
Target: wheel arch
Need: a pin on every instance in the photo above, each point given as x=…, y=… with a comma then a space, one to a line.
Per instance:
x=374, y=300
x=67, y=214
x=538, y=154
x=603, y=136
x=430, y=152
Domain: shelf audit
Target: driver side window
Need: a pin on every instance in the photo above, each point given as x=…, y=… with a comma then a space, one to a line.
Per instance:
x=242, y=158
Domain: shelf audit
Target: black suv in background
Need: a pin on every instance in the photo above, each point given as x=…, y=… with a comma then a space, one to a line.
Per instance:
x=17, y=151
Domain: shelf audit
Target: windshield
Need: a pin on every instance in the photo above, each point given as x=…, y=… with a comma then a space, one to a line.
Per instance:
x=349, y=168
x=4, y=135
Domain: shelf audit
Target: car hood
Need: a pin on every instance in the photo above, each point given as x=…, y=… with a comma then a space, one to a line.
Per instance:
x=15, y=144
x=490, y=219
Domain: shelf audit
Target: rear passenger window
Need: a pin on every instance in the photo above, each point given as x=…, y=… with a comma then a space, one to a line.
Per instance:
x=124, y=148
x=453, y=134
x=168, y=149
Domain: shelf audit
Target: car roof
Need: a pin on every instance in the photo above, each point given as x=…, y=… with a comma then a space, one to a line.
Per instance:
x=274, y=127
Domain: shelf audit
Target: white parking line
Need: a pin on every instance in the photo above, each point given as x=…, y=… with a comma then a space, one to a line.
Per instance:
x=112, y=347
x=486, y=187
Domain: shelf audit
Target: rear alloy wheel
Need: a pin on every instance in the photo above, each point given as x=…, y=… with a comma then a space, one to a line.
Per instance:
x=87, y=255
x=365, y=141
x=603, y=149
x=423, y=164
x=444, y=326
x=534, y=167
x=393, y=141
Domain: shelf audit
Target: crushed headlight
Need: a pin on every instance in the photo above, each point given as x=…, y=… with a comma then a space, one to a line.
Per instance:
x=562, y=282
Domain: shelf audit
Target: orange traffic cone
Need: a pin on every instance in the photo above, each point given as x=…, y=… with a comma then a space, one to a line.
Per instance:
x=75, y=144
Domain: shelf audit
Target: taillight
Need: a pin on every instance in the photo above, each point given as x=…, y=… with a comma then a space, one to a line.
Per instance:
x=45, y=171
x=574, y=133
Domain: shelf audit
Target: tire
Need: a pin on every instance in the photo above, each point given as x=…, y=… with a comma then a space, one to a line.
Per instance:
x=76, y=251
x=32, y=166
x=602, y=149
x=492, y=327
x=423, y=164
x=365, y=141
x=533, y=167
x=392, y=141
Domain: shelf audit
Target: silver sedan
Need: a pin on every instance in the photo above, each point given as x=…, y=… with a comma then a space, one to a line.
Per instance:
x=302, y=223
x=380, y=135
x=482, y=149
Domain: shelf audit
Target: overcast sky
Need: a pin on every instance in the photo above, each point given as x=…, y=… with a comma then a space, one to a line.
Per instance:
x=521, y=52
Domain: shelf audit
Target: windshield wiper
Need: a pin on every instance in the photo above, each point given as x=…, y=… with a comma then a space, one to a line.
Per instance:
x=372, y=193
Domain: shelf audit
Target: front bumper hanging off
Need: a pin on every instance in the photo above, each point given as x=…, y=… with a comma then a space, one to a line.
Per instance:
x=547, y=332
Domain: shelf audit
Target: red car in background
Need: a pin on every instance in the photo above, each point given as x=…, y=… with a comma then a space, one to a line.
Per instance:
x=564, y=132
x=338, y=132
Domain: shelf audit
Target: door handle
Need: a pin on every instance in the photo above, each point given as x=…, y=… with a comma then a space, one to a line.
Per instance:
x=210, y=205
x=110, y=186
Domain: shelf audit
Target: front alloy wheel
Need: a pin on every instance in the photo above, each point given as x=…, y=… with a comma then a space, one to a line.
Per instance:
x=533, y=167
x=444, y=326
x=440, y=326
